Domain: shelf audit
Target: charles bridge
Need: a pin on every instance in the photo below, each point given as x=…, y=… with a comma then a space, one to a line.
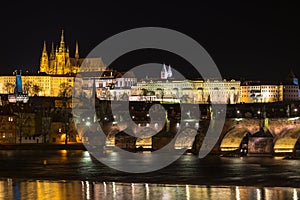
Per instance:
x=279, y=123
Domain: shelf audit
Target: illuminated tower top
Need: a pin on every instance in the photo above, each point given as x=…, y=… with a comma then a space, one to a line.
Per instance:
x=62, y=42
x=164, y=72
x=76, y=52
x=44, y=63
x=170, y=74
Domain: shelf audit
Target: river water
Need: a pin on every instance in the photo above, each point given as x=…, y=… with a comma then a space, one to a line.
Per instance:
x=74, y=174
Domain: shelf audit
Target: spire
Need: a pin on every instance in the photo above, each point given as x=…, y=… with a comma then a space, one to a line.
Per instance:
x=52, y=53
x=62, y=43
x=76, y=51
x=44, y=47
x=170, y=74
x=52, y=47
x=293, y=78
x=164, y=72
x=44, y=59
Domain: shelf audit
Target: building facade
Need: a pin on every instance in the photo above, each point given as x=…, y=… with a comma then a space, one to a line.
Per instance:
x=61, y=75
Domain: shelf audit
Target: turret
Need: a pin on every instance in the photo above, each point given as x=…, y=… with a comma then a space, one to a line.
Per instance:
x=76, y=52
x=62, y=42
x=170, y=74
x=52, y=53
x=44, y=62
x=164, y=72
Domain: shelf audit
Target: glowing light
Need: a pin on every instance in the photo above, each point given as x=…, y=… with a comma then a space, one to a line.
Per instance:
x=187, y=192
x=147, y=191
x=237, y=193
x=295, y=195
x=258, y=194
x=88, y=123
x=114, y=189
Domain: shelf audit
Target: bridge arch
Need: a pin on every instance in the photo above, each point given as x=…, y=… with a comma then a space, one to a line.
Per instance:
x=233, y=139
x=110, y=136
x=287, y=142
x=145, y=142
x=185, y=138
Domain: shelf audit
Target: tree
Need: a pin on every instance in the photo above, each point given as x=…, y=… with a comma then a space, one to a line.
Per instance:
x=28, y=87
x=9, y=87
x=36, y=89
x=32, y=89
x=65, y=90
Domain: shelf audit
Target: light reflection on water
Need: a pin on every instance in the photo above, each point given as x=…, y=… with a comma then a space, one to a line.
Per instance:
x=84, y=190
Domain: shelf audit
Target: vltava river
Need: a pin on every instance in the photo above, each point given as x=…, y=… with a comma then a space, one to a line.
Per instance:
x=74, y=174
x=79, y=190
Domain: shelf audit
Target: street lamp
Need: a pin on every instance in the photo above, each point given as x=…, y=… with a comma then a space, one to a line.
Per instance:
x=295, y=111
x=88, y=124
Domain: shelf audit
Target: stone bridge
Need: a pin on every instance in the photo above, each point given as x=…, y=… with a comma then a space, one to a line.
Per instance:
x=285, y=133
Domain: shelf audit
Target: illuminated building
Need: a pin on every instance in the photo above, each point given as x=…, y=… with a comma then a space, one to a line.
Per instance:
x=56, y=74
x=8, y=126
x=168, y=89
x=267, y=92
x=58, y=71
x=260, y=92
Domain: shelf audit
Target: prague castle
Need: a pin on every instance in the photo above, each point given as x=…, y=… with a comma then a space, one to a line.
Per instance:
x=58, y=70
x=59, y=62
x=56, y=73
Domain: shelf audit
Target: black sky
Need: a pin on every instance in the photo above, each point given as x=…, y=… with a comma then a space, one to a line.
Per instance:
x=246, y=40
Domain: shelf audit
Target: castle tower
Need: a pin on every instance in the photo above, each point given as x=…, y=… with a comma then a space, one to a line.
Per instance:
x=164, y=72
x=51, y=59
x=76, y=53
x=62, y=58
x=293, y=78
x=170, y=74
x=59, y=61
x=44, y=62
x=62, y=42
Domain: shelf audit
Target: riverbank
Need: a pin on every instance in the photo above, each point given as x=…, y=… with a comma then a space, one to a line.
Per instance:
x=42, y=147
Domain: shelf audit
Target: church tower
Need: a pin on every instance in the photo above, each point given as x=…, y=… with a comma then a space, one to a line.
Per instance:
x=59, y=62
x=44, y=62
x=62, y=58
x=51, y=59
x=170, y=73
x=76, y=52
x=164, y=72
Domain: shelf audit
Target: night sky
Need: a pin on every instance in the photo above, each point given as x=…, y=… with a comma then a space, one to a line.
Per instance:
x=246, y=40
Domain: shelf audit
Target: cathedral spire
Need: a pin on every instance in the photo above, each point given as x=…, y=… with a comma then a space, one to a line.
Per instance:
x=62, y=42
x=44, y=47
x=76, y=51
x=52, y=53
x=44, y=59
x=52, y=47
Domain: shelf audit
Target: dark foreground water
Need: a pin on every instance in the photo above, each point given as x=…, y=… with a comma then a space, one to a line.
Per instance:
x=74, y=174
